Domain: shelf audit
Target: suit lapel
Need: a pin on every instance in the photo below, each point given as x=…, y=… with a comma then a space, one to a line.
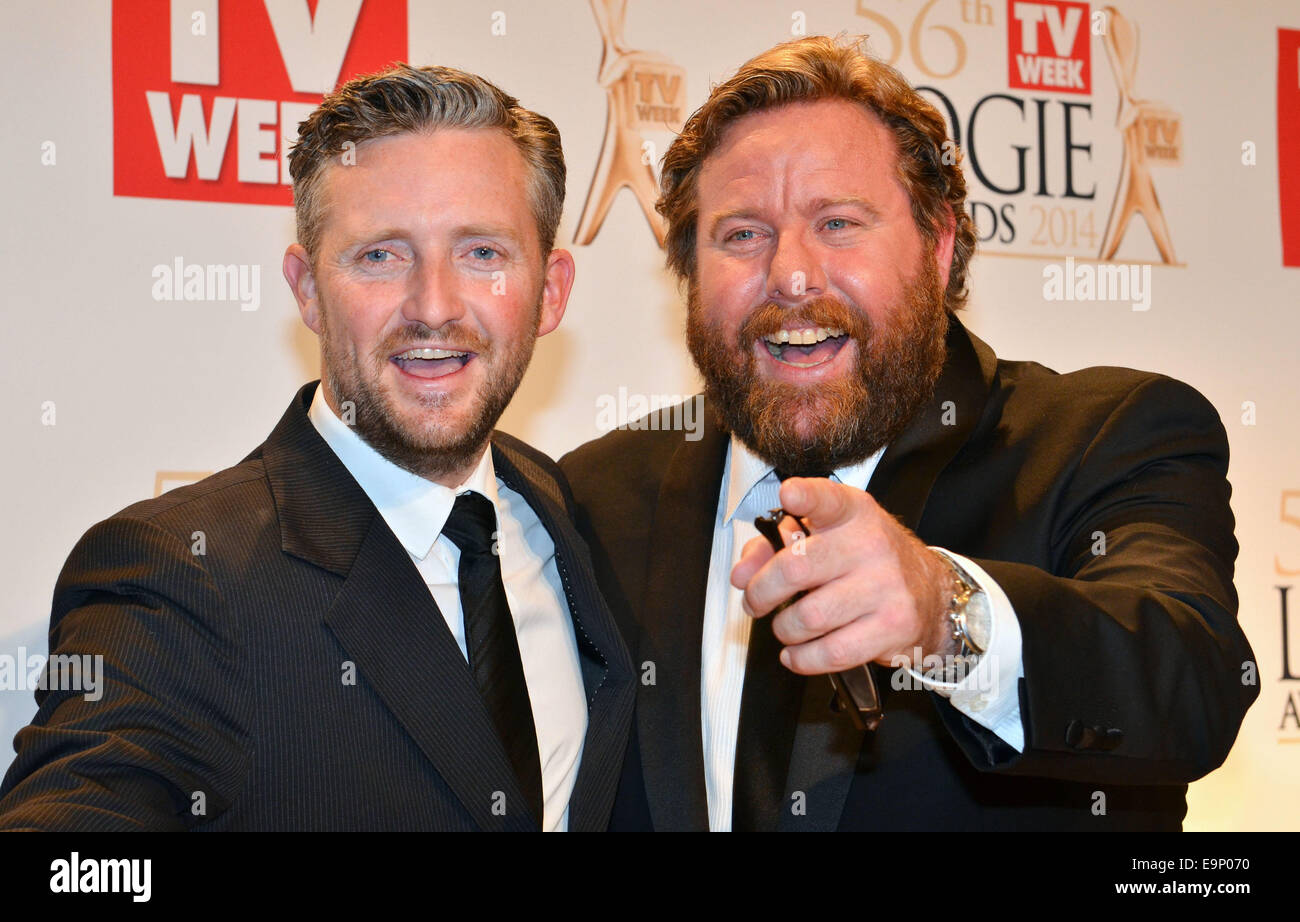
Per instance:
x=607, y=671
x=389, y=624
x=906, y=474
x=385, y=618
x=668, y=712
x=826, y=746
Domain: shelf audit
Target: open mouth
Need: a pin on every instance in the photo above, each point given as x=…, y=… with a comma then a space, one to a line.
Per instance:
x=807, y=347
x=431, y=362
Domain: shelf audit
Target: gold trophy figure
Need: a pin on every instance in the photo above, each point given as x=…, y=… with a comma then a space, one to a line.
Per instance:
x=643, y=91
x=1135, y=191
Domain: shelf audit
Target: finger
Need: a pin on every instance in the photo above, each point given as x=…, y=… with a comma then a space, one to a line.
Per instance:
x=791, y=530
x=847, y=647
x=823, y=610
x=756, y=553
x=785, y=574
x=821, y=502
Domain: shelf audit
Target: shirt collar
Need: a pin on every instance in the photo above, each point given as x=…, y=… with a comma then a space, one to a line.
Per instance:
x=748, y=475
x=414, y=508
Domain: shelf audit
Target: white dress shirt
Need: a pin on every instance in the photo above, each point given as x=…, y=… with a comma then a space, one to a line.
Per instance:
x=988, y=694
x=416, y=510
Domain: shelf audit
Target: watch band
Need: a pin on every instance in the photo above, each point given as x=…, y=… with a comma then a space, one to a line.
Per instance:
x=963, y=590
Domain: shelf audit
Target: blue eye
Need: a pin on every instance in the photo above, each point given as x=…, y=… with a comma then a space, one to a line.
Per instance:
x=737, y=235
x=484, y=252
x=841, y=222
x=369, y=253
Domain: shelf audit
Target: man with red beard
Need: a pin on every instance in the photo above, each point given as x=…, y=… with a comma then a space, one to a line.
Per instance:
x=1035, y=569
x=383, y=617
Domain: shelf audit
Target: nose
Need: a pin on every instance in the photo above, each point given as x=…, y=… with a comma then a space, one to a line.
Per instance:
x=433, y=295
x=794, y=274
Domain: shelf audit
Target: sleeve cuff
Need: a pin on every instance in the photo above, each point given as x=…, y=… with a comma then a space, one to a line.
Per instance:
x=989, y=694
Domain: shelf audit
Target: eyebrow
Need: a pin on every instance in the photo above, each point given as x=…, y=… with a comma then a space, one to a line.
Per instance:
x=815, y=206
x=822, y=204
x=368, y=237
x=498, y=231
x=489, y=230
x=719, y=220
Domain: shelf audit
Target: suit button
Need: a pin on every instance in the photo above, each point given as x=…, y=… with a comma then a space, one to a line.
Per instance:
x=1079, y=735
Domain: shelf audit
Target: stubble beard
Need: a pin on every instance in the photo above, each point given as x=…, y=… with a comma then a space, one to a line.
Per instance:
x=836, y=423
x=428, y=447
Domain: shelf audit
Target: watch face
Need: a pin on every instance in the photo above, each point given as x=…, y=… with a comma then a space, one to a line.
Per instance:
x=979, y=621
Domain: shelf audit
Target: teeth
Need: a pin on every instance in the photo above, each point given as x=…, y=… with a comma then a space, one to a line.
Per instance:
x=430, y=354
x=805, y=337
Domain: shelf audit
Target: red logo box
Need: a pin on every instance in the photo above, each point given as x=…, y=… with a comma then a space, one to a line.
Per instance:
x=1049, y=46
x=1288, y=142
x=201, y=103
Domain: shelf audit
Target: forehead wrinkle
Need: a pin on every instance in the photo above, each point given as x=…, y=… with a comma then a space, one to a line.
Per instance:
x=385, y=212
x=789, y=195
x=765, y=142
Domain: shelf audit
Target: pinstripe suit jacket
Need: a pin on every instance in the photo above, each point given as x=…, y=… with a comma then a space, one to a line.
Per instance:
x=227, y=701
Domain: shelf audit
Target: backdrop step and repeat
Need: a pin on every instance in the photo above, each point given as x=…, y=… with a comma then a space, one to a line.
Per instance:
x=150, y=338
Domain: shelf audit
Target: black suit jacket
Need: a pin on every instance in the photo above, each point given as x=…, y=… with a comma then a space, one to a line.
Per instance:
x=1132, y=659
x=225, y=671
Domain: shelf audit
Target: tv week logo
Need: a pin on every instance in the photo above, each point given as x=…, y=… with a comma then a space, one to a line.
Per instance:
x=208, y=94
x=1288, y=142
x=1049, y=46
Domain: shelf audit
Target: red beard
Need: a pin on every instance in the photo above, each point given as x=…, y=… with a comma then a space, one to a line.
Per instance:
x=837, y=423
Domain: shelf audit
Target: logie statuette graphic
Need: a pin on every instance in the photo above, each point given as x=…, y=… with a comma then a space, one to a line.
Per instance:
x=644, y=91
x=1152, y=134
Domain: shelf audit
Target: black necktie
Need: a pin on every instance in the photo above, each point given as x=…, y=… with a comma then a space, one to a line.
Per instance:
x=769, y=715
x=491, y=641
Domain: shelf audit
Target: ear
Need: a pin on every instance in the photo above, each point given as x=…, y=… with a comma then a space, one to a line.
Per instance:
x=556, y=286
x=302, y=281
x=943, y=246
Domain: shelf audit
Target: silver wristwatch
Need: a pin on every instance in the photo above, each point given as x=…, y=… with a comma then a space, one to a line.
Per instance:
x=968, y=612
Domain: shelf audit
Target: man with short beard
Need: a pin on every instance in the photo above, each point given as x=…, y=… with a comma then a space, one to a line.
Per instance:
x=951, y=508
x=383, y=617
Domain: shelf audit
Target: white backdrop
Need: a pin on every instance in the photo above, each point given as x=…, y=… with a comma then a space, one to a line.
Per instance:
x=106, y=389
